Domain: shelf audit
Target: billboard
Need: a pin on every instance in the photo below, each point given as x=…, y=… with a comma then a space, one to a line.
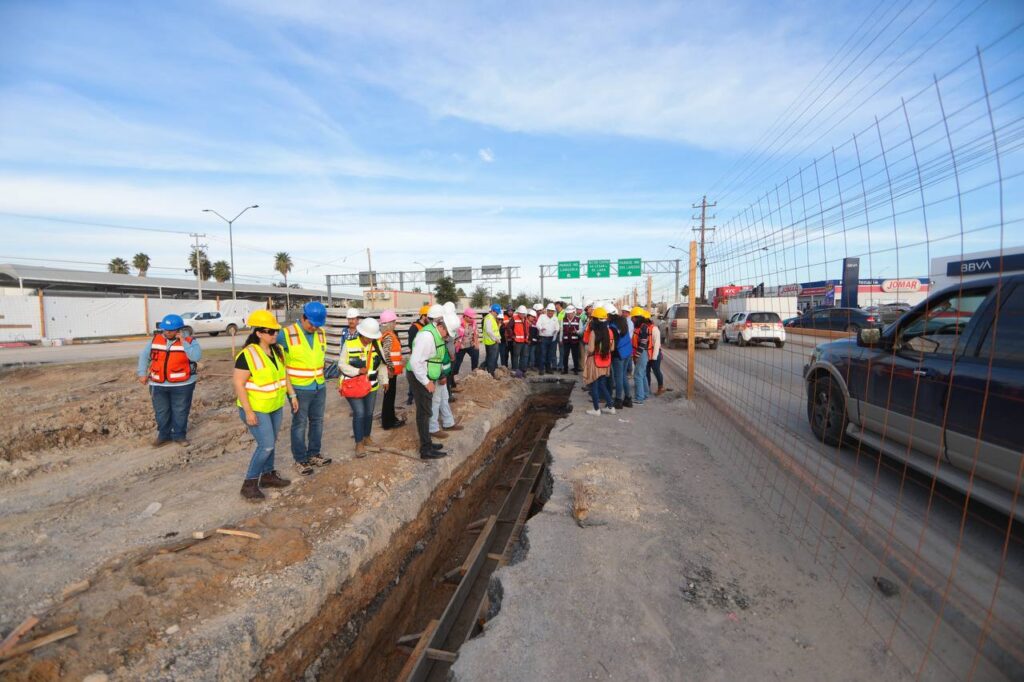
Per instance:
x=491, y=271
x=461, y=275
x=367, y=278
x=431, y=275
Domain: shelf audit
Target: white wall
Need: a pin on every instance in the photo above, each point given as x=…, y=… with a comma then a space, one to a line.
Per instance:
x=19, y=318
x=74, y=317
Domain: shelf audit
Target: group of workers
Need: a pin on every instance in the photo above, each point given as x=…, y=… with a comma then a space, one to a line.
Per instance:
x=281, y=366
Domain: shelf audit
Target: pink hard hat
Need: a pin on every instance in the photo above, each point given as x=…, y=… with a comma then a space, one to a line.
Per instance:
x=469, y=312
x=388, y=316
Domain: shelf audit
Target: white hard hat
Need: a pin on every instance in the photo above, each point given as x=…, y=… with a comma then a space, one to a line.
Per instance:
x=435, y=312
x=521, y=310
x=532, y=312
x=589, y=304
x=451, y=322
x=551, y=306
x=571, y=309
x=449, y=307
x=369, y=328
x=538, y=306
x=352, y=313
x=612, y=310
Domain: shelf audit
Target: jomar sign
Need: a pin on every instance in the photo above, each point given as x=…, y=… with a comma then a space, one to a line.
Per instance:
x=992, y=265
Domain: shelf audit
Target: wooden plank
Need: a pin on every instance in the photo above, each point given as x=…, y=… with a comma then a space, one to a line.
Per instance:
x=238, y=533
x=439, y=655
x=17, y=633
x=42, y=641
x=418, y=653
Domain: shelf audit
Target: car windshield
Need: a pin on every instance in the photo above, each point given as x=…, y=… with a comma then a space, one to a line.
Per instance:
x=704, y=312
x=188, y=316
x=764, y=317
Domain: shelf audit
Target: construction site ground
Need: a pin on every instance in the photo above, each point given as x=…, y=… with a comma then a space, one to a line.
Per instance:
x=91, y=516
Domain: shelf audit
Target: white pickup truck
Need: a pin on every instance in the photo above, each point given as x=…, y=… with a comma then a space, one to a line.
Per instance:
x=212, y=323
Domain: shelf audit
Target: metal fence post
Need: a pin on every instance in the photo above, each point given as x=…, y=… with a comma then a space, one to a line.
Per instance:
x=691, y=321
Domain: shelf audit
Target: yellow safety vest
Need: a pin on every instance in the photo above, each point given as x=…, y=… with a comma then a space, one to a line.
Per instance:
x=305, y=363
x=441, y=364
x=267, y=386
x=354, y=349
x=491, y=326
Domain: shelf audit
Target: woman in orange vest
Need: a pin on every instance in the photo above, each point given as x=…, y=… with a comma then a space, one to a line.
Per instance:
x=392, y=348
x=167, y=364
x=600, y=347
x=520, y=341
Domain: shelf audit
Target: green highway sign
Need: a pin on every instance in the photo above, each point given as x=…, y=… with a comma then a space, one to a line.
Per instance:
x=630, y=267
x=568, y=269
x=599, y=268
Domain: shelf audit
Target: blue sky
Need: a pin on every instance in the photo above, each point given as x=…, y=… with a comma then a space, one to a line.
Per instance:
x=476, y=133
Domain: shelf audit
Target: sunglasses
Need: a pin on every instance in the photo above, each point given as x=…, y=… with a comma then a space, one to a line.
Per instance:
x=262, y=330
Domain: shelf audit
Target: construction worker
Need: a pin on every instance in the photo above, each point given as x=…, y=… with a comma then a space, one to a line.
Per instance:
x=349, y=332
x=453, y=334
x=570, y=341
x=643, y=348
x=492, y=338
x=655, y=364
x=601, y=350
x=305, y=349
x=168, y=365
x=588, y=307
x=534, y=360
x=548, y=331
x=427, y=369
x=520, y=341
x=419, y=324
x=441, y=418
x=622, y=359
x=261, y=389
x=468, y=342
x=392, y=349
x=560, y=315
x=362, y=356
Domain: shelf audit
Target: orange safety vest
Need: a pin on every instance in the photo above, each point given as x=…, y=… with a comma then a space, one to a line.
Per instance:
x=605, y=359
x=636, y=340
x=520, y=329
x=396, y=352
x=168, y=362
x=586, y=333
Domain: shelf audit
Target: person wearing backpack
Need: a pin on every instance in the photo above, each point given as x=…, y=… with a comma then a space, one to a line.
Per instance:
x=600, y=353
x=622, y=359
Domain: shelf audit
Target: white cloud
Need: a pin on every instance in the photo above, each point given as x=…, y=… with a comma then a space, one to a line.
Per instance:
x=486, y=155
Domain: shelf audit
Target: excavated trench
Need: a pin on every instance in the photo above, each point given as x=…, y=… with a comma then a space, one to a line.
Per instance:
x=403, y=590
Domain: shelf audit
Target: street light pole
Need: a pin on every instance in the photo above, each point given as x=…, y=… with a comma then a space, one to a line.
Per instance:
x=231, y=241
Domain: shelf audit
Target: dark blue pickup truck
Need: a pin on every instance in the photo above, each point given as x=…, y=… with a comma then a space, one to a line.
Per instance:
x=941, y=388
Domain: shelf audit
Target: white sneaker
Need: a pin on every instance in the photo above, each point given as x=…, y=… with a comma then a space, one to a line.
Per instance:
x=608, y=410
x=596, y=413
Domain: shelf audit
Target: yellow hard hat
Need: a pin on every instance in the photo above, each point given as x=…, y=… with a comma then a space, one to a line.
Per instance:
x=637, y=311
x=599, y=314
x=424, y=309
x=263, y=319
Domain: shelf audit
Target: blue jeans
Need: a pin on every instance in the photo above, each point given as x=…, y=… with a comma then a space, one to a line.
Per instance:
x=171, y=405
x=655, y=367
x=620, y=369
x=547, y=353
x=305, y=443
x=362, y=415
x=643, y=389
x=265, y=433
x=520, y=356
x=599, y=391
x=491, y=357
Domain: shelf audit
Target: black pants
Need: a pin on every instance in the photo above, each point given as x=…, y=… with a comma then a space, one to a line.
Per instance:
x=574, y=350
x=422, y=397
x=387, y=414
x=506, y=352
x=655, y=366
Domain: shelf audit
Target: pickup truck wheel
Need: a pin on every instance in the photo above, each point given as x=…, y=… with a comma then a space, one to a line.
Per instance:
x=826, y=410
x=214, y=333
x=186, y=331
x=725, y=338
x=232, y=329
x=712, y=345
x=780, y=344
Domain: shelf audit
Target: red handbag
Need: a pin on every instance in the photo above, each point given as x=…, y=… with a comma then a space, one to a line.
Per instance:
x=355, y=387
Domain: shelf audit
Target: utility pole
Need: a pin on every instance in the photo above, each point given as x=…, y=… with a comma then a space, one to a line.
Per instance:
x=198, y=249
x=369, y=266
x=703, y=206
x=650, y=292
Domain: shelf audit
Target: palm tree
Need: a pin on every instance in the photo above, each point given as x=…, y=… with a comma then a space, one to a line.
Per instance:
x=221, y=271
x=118, y=266
x=141, y=263
x=203, y=259
x=283, y=264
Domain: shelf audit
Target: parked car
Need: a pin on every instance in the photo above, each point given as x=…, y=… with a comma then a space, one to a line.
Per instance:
x=675, y=325
x=837, y=320
x=212, y=323
x=754, y=327
x=939, y=389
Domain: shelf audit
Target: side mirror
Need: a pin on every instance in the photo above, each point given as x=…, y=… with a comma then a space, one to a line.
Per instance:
x=869, y=337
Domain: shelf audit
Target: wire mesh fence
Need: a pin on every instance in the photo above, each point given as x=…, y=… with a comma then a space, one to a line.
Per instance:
x=869, y=343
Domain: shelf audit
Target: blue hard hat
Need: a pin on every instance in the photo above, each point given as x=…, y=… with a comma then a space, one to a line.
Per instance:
x=316, y=313
x=495, y=308
x=172, y=323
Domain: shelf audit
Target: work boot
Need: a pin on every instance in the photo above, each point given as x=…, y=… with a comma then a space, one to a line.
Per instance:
x=318, y=461
x=627, y=402
x=617, y=404
x=274, y=480
x=436, y=446
x=430, y=453
x=304, y=468
x=661, y=389
x=251, y=489
x=454, y=427
x=370, y=445
x=439, y=434
x=360, y=450
x=159, y=442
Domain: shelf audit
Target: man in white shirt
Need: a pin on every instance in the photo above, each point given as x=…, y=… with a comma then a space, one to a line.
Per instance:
x=548, y=330
x=426, y=351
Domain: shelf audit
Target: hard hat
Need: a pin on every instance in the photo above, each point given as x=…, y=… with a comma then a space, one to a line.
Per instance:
x=424, y=309
x=451, y=322
x=612, y=310
x=551, y=306
x=538, y=306
x=171, y=323
x=369, y=327
x=435, y=312
x=316, y=313
x=571, y=309
x=637, y=311
x=351, y=313
x=599, y=314
x=263, y=319
x=449, y=307
x=388, y=316
x=495, y=308
x=469, y=312
x=647, y=314
x=589, y=304
x=531, y=311
x=521, y=310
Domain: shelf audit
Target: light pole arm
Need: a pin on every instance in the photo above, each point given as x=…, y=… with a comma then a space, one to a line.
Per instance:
x=210, y=210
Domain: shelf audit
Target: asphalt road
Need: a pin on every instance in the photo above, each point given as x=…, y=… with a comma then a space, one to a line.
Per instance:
x=85, y=352
x=968, y=568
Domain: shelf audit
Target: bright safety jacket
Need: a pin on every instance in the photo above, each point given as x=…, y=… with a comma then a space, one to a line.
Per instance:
x=168, y=362
x=492, y=330
x=304, y=363
x=520, y=329
x=267, y=385
x=441, y=363
x=356, y=354
x=571, y=331
x=643, y=340
x=397, y=364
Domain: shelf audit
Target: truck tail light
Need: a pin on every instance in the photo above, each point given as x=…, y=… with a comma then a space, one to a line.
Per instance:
x=747, y=325
x=674, y=324
x=871, y=319
x=721, y=323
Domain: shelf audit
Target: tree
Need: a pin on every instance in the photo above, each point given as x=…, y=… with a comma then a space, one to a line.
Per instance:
x=283, y=264
x=480, y=297
x=141, y=263
x=417, y=290
x=685, y=291
x=461, y=292
x=221, y=271
x=118, y=266
x=203, y=259
x=522, y=298
x=504, y=300
x=445, y=291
